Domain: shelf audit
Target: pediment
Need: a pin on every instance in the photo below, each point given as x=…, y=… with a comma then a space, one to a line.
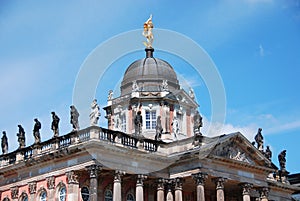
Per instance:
x=238, y=148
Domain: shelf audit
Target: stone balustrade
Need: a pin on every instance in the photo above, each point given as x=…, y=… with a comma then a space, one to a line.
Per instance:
x=78, y=137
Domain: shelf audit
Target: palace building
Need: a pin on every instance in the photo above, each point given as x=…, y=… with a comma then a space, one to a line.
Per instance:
x=152, y=149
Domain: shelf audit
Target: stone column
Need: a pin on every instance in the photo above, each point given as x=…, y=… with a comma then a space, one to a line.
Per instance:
x=178, y=189
x=139, y=191
x=220, y=188
x=51, y=187
x=246, y=191
x=264, y=193
x=117, y=186
x=73, y=185
x=32, y=190
x=200, y=179
x=93, y=170
x=169, y=184
x=160, y=190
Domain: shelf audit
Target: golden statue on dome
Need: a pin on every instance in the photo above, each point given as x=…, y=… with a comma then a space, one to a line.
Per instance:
x=148, y=26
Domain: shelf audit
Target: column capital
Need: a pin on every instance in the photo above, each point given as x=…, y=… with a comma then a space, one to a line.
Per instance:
x=246, y=188
x=219, y=181
x=160, y=184
x=50, y=182
x=140, y=179
x=14, y=192
x=199, y=178
x=178, y=183
x=32, y=187
x=94, y=170
x=263, y=192
x=117, y=175
x=169, y=183
x=72, y=177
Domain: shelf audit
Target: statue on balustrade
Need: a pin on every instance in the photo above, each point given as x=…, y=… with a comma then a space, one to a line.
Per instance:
x=259, y=139
x=197, y=123
x=55, y=124
x=36, y=131
x=4, y=143
x=138, y=122
x=21, y=137
x=282, y=160
x=158, y=128
x=74, y=118
x=268, y=153
x=95, y=113
x=175, y=127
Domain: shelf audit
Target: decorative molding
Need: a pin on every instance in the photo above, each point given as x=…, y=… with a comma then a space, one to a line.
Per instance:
x=14, y=192
x=32, y=187
x=178, y=183
x=160, y=184
x=199, y=178
x=219, y=181
x=140, y=179
x=94, y=170
x=117, y=176
x=50, y=182
x=232, y=151
x=246, y=188
x=263, y=192
x=72, y=177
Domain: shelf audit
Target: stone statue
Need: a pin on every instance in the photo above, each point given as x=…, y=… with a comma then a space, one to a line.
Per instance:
x=268, y=153
x=74, y=118
x=164, y=85
x=21, y=137
x=166, y=118
x=36, y=131
x=55, y=123
x=282, y=160
x=148, y=26
x=138, y=122
x=110, y=95
x=158, y=128
x=135, y=86
x=175, y=127
x=191, y=93
x=95, y=113
x=4, y=143
x=259, y=139
x=197, y=123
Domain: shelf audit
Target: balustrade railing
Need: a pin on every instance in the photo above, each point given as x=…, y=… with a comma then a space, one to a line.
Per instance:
x=77, y=137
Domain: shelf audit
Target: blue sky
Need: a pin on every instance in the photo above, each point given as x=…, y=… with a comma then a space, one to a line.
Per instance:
x=255, y=44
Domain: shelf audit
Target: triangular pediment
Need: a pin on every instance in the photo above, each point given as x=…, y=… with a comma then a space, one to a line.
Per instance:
x=236, y=147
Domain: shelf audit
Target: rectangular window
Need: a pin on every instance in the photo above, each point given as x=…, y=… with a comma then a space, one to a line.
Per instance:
x=150, y=119
x=123, y=122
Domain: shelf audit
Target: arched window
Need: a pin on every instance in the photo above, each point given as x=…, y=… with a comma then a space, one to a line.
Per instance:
x=130, y=197
x=85, y=193
x=24, y=197
x=62, y=194
x=108, y=195
x=6, y=199
x=43, y=196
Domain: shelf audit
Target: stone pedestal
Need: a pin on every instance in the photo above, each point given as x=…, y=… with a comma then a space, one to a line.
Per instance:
x=200, y=180
x=160, y=190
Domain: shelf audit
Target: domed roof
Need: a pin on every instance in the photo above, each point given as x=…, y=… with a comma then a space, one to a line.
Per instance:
x=149, y=74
